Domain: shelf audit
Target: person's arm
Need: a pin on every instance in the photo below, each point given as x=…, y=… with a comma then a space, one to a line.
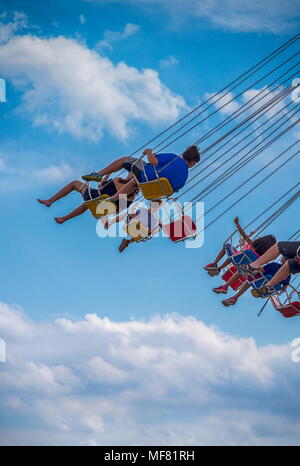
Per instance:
x=242, y=232
x=152, y=159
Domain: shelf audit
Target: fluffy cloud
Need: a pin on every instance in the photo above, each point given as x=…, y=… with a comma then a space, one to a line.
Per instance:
x=9, y=26
x=269, y=16
x=168, y=380
x=21, y=178
x=225, y=103
x=114, y=36
x=265, y=96
x=72, y=89
x=53, y=173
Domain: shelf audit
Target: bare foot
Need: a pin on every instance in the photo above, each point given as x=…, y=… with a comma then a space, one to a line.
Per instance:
x=59, y=220
x=45, y=202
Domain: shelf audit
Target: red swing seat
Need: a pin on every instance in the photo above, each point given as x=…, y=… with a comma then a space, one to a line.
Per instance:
x=181, y=229
x=229, y=273
x=287, y=310
x=290, y=310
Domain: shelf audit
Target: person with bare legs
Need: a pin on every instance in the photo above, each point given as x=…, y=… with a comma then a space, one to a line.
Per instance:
x=246, y=243
x=271, y=268
x=290, y=250
x=106, y=187
x=142, y=216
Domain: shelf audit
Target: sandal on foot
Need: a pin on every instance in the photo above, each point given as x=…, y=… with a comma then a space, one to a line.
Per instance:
x=212, y=269
x=220, y=289
x=260, y=292
x=229, y=301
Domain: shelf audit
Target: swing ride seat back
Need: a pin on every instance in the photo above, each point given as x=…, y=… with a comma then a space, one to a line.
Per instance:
x=291, y=309
x=246, y=257
x=228, y=274
x=230, y=250
x=99, y=207
x=156, y=189
x=180, y=229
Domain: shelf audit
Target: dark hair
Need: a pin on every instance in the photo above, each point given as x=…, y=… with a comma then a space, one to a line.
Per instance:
x=261, y=245
x=191, y=154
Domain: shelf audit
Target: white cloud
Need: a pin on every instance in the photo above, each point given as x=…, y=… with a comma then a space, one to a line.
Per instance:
x=115, y=36
x=24, y=178
x=269, y=16
x=82, y=19
x=168, y=62
x=72, y=89
x=168, y=380
x=265, y=96
x=226, y=103
x=8, y=28
x=53, y=173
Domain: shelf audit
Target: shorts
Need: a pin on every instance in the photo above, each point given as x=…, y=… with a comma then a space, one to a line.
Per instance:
x=108, y=188
x=289, y=248
x=294, y=266
x=134, y=165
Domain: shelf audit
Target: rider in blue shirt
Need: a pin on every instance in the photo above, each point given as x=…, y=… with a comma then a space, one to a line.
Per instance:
x=169, y=166
x=165, y=165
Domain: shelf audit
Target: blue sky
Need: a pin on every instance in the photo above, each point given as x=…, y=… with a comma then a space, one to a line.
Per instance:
x=88, y=81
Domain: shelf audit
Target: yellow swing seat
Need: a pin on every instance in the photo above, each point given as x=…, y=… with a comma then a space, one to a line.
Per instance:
x=136, y=230
x=100, y=206
x=156, y=189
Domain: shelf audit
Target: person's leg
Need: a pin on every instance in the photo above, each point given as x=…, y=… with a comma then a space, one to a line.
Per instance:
x=212, y=268
x=236, y=276
x=113, y=167
x=219, y=256
x=234, y=299
x=78, y=211
x=125, y=189
x=280, y=275
x=75, y=185
x=224, y=264
x=270, y=255
x=224, y=288
x=242, y=290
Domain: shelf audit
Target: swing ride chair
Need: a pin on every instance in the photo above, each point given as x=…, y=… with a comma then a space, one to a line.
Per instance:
x=182, y=228
x=160, y=188
x=99, y=206
x=155, y=189
x=282, y=301
x=230, y=270
x=143, y=235
x=260, y=279
x=287, y=306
